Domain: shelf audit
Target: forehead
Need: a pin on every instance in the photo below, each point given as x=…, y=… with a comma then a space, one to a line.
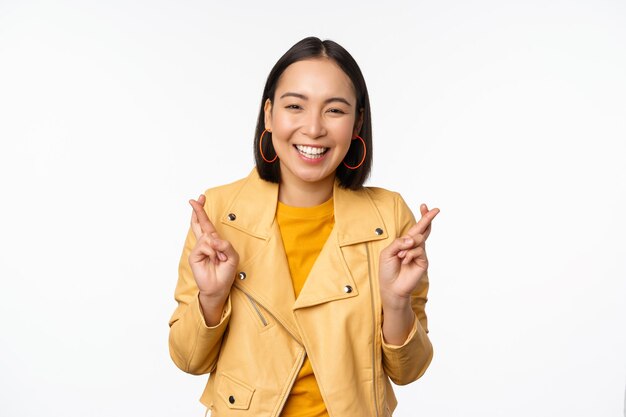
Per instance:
x=316, y=78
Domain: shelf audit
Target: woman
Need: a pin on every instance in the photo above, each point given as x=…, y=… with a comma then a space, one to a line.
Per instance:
x=300, y=291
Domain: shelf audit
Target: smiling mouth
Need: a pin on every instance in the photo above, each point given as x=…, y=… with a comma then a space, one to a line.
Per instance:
x=311, y=152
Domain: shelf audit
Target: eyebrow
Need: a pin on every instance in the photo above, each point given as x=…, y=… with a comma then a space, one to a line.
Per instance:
x=328, y=100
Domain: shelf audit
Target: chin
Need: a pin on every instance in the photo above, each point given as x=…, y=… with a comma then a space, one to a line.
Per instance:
x=313, y=177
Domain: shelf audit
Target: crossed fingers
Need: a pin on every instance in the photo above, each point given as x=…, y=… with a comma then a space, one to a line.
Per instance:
x=418, y=233
x=200, y=222
x=423, y=226
x=202, y=226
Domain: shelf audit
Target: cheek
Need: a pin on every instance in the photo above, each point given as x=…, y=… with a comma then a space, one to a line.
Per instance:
x=282, y=124
x=345, y=132
x=345, y=147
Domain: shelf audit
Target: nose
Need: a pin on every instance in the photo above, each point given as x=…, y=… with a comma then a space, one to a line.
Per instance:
x=314, y=126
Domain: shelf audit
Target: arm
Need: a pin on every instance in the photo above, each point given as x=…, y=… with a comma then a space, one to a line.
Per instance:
x=205, y=276
x=407, y=361
x=407, y=350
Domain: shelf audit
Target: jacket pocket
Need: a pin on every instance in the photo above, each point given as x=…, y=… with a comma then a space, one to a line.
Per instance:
x=235, y=393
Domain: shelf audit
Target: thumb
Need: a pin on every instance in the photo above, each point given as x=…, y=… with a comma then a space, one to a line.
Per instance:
x=224, y=247
x=201, y=252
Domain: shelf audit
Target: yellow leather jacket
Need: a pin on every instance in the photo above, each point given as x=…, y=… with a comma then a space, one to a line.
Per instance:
x=254, y=354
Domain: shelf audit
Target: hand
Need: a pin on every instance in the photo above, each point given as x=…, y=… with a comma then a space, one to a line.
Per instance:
x=213, y=261
x=403, y=263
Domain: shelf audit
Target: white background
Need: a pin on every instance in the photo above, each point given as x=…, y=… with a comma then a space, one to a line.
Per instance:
x=509, y=116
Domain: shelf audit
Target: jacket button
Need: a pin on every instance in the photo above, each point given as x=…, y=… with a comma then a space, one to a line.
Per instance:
x=231, y=216
x=378, y=231
x=231, y=399
x=347, y=289
x=242, y=275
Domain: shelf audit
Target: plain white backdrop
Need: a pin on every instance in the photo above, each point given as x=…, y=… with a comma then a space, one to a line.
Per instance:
x=510, y=116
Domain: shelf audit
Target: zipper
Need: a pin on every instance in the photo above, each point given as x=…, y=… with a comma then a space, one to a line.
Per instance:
x=258, y=311
x=374, y=380
x=302, y=351
x=279, y=409
x=269, y=313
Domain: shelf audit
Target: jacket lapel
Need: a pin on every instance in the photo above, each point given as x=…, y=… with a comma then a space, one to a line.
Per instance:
x=263, y=261
x=357, y=220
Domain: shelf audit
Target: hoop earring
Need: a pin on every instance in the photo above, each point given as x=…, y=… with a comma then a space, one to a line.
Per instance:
x=261, y=149
x=362, y=159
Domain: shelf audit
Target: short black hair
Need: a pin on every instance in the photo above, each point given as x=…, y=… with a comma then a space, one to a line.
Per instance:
x=310, y=48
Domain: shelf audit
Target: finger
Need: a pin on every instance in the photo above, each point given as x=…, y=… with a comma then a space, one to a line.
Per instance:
x=202, y=251
x=427, y=232
x=414, y=255
x=195, y=226
x=216, y=256
x=220, y=255
x=397, y=246
x=424, y=222
x=423, y=209
x=225, y=249
x=203, y=219
x=418, y=240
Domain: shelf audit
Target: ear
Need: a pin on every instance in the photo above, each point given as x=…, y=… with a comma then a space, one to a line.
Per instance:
x=267, y=108
x=359, y=123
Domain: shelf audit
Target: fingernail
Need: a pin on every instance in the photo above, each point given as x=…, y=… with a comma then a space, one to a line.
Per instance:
x=408, y=240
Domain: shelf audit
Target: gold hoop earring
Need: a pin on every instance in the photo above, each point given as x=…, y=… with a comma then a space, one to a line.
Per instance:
x=362, y=159
x=261, y=149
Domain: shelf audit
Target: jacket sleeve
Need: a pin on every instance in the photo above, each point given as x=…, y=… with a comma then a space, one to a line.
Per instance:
x=408, y=362
x=194, y=347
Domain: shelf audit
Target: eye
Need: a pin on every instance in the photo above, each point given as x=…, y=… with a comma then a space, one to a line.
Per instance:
x=293, y=107
x=337, y=111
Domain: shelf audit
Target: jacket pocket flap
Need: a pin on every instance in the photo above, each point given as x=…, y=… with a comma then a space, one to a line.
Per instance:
x=236, y=394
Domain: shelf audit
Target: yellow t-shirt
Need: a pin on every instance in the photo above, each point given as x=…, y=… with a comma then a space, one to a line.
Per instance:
x=304, y=231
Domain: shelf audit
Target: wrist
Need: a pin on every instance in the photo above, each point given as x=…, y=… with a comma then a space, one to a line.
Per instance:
x=398, y=320
x=392, y=302
x=212, y=307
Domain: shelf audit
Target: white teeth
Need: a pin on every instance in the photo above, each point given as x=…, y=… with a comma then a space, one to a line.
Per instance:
x=311, y=152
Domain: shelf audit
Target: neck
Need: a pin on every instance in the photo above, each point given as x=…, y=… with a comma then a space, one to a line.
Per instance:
x=304, y=194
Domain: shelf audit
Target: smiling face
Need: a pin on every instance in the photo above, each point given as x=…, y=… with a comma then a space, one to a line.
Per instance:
x=312, y=120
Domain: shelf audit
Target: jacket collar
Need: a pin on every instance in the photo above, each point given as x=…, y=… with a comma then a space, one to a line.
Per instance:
x=357, y=219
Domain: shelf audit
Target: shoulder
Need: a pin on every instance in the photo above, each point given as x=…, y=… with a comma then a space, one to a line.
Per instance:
x=385, y=201
x=221, y=196
x=251, y=183
x=251, y=195
x=384, y=198
x=225, y=190
x=392, y=207
x=381, y=194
